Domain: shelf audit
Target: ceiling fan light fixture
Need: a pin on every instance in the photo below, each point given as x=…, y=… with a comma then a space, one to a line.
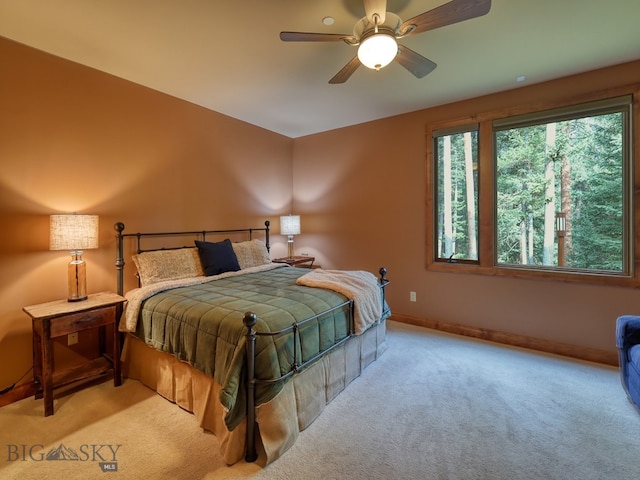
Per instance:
x=377, y=50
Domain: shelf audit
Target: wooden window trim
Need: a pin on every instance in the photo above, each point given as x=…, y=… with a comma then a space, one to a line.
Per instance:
x=486, y=198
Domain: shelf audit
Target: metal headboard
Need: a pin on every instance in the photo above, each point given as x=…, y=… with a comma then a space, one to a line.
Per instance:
x=201, y=234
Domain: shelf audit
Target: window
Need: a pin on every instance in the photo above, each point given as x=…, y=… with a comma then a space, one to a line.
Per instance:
x=561, y=188
x=457, y=193
x=553, y=189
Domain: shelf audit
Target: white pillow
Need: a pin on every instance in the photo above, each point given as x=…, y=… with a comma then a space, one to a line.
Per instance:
x=251, y=253
x=160, y=265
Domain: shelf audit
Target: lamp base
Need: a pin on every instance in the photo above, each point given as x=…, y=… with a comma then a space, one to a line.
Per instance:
x=77, y=299
x=290, y=252
x=77, y=278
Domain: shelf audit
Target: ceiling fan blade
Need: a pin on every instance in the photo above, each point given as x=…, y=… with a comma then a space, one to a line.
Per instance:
x=315, y=37
x=452, y=12
x=378, y=7
x=344, y=74
x=414, y=62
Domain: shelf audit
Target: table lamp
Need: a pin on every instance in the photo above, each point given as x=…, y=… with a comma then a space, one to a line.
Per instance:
x=75, y=233
x=290, y=226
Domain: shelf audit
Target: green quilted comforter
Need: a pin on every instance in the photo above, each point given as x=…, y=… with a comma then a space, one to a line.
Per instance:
x=202, y=325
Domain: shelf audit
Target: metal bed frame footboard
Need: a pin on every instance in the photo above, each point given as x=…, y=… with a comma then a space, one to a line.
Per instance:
x=250, y=319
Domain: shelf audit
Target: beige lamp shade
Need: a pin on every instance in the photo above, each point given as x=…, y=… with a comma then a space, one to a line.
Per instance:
x=290, y=225
x=73, y=232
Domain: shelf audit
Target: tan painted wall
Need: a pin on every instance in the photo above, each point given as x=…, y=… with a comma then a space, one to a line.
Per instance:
x=361, y=194
x=74, y=139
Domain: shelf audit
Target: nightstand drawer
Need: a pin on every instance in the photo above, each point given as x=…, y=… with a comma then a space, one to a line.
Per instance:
x=82, y=321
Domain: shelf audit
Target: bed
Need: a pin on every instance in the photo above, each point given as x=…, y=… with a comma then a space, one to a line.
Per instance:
x=254, y=349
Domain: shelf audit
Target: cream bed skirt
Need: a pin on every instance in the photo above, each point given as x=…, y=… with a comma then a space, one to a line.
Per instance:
x=280, y=420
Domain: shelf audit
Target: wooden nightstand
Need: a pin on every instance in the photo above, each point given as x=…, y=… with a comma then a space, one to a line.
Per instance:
x=59, y=318
x=298, y=261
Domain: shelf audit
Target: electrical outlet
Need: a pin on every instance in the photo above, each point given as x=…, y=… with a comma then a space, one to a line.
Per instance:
x=72, y=338
x=412, y=296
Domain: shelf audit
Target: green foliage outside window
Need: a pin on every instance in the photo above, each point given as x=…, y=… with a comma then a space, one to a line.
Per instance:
x=574, y=167
x=561, y=190
x=457, y=175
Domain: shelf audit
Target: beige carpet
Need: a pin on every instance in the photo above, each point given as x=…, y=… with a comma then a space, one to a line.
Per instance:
x=434, y=406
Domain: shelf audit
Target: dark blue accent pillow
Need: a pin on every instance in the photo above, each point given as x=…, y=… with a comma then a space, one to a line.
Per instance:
x=217, y=257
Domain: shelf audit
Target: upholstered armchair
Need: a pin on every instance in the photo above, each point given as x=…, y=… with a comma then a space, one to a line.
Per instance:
x=628, y=343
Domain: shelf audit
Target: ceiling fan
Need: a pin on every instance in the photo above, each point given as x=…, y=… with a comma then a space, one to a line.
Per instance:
x=377, y=33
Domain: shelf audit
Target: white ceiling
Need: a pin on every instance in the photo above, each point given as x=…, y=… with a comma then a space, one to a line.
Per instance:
x=227, y=55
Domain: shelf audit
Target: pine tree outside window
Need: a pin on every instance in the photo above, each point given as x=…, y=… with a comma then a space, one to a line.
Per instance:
x=570, y=164
x=457, y=194
x=542, y=194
